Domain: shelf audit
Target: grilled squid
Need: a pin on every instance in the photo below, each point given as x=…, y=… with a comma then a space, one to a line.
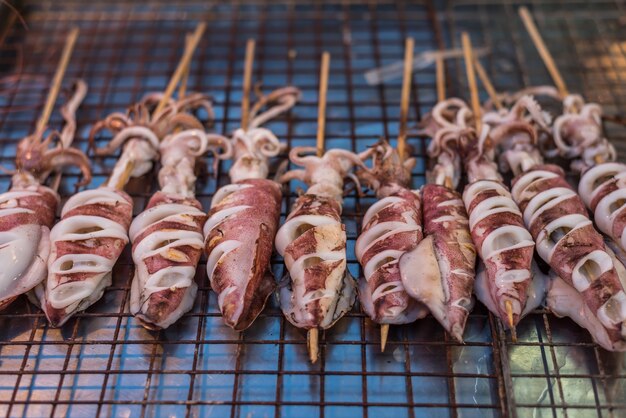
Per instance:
x=566, y=239
x=167, y=236
x=92, y=232
x=243, y=220
x=28, y=209
x=505, y=246
x=603, y=189
x=313, y=242
x=439, y=272
x=391, y=227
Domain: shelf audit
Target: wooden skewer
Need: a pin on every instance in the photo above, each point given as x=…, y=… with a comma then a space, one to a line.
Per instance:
x=247, y=83
x=508, y=305
x=471, y=80
x=441, y=84
x=56, y=82
x=484, y=78
x=53, y=93
x=182, y=89
x=182, y=64
x=312, y=337
x=405, y=95
x=543, y=50
x=441, y=96
x=321, y=109
x=128, y=169
x=312, y=344
x=180, y=75
x=384, y=334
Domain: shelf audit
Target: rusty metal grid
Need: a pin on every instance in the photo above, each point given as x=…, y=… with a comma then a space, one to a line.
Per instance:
x=103, y=363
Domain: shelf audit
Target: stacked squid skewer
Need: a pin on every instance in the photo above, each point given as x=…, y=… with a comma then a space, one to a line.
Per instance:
x=405, y=276
x=92, y=232
x=28, y=208
x=440, y=271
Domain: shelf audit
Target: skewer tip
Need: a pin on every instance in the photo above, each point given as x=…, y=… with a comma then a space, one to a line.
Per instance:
x=312, y=344
x=509, y=314
x=384, y=333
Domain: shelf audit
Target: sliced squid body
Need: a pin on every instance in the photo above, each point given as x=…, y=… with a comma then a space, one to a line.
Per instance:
x=26, y=216
x=239, y=234
x=85, y=245
x=567, y=240
x=313, y=244
x=167, y=245
x=603, y=189
x=391, y=227
x=504, y=244
x=439, y=272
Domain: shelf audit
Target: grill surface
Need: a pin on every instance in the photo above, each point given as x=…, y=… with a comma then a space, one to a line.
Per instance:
x=104, y=364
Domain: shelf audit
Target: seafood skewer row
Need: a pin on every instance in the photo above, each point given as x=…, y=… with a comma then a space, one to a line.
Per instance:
x=586, y=285
x=313, y=242
x=167, y=236
x=243, y=220
x=436, y=273
x=92, y=232
x=567, y=240
x=28, y=209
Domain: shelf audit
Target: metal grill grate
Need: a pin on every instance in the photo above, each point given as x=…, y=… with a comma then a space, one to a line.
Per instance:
x=104, y=364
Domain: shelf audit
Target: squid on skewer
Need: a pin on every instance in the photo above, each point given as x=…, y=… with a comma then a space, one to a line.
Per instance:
x=312, y=241
x=243, y=220
x=28, y=208
x=391, y=227
x=92, y=232
x=167, y=236
x=505, y=246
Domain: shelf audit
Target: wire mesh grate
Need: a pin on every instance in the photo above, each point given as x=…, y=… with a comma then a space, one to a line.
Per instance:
x=103, y=363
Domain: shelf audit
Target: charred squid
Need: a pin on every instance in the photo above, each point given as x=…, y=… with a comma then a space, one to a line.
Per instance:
x=243, y=220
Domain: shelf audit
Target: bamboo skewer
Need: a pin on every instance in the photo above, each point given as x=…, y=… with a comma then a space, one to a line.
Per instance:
x=312, y=337
x=53, y=93
x=56, y=82
x=321, y=109
x=180, y=75
x=182, y=64
x=543, y=50
x=470, y=62
x=441, y=84
x=247, y=83
x=441, y=96
x=404, y=98
x=484, y=78
x=471, y=80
